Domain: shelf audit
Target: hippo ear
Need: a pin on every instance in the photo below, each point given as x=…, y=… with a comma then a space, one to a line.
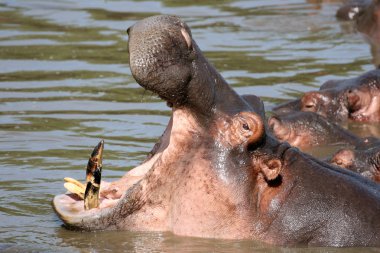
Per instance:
x=187, y=37
x=271, y=169
x=258, y=129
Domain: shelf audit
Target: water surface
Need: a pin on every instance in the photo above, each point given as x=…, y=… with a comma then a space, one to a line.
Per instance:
x=65, y=84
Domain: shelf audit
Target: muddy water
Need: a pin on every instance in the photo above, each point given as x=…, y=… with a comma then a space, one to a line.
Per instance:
x=65, y=84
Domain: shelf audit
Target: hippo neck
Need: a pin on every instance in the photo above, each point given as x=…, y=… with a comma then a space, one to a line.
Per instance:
x=318, y=184
x=208, y=92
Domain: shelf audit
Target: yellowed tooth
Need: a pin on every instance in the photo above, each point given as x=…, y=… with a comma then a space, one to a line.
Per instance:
x=74, y=188
x=74, y=181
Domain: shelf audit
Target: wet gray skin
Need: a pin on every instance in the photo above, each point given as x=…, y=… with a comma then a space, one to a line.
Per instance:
x=351, y=9
x=308, y=129
x=216, y=171
x=354, y=99
x=363, y=159
x=366, y=22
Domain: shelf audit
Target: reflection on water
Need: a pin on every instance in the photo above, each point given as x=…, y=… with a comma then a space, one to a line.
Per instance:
x=65, y=84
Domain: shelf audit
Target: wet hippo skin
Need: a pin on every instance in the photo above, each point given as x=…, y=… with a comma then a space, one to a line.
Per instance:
x=216, y=171
x=356, y=99
x=364, y=159
x=308, y=129
x=365, y=16
x=352, y=8
x=367, y=22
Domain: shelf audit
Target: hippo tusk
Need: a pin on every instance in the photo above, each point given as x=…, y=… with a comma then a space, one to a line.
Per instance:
x=93, y=177
x=90, y=191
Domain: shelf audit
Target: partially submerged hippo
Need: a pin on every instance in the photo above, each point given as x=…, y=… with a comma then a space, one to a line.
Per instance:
x=367, y=22
x=308, y=129
x=216, y=172
x=357, y=99
x=364, y=159
x=365, y=17
x=352, y=8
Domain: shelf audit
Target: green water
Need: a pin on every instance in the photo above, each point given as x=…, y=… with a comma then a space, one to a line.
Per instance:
x=65, y=84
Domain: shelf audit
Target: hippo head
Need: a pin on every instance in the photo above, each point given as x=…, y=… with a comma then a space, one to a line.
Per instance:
x=353, y=9
x=363, y=99
x=301, y=129
x=367, y=20
x=364, y=160
x=329, y=103
x=207, y=174
x=339, y=100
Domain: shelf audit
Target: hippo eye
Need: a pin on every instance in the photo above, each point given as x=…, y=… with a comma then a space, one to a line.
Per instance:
x=309, y=105
x=245, y=126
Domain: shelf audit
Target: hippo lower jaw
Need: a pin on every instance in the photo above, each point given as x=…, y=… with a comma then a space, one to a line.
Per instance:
x=70, y=207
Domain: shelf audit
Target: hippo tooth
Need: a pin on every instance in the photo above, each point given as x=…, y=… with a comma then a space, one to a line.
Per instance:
x=95, y=160
x=93, y=177
x=74, y=188
x=74, y=181
x=91, y=195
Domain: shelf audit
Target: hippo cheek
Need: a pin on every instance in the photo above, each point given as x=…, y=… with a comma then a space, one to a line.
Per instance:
x=160, y=56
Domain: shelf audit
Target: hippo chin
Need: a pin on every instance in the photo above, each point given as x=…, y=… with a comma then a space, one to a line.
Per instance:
x=216, y=172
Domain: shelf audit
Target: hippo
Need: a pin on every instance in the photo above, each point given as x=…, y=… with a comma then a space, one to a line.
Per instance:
x=364, y=14
x=308, y=129
x=356, y=99
x=350, y=10
x=363, y=159
x=367, y=24
x=216, y=171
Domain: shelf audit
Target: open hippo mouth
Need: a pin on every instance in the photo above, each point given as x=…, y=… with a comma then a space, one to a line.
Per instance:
x=205, y=174
x=364, y=100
